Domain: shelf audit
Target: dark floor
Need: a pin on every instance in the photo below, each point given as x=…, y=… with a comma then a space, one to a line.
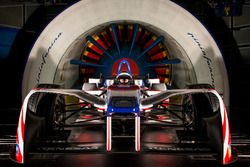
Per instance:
x=128, y=160
x=125, y=158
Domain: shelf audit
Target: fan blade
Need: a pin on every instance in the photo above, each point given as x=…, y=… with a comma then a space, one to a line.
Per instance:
x=85, y=64
x=163, y=63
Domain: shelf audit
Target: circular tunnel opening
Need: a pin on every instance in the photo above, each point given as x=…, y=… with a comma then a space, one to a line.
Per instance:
x=179, y=34
x=149, y=50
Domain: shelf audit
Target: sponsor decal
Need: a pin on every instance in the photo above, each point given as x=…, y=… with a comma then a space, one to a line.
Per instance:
x=205, y=56
x=45, y=56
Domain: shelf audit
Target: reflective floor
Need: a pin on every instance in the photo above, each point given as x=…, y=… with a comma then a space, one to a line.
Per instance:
x=128, y=160
x=165, y=142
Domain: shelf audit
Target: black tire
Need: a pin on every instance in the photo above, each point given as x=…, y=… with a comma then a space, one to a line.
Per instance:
x=40, y=116
x=35, y=98
x=46, y=106
x=198, y=106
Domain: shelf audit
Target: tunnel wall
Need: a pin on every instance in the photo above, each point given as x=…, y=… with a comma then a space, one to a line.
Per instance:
x=69, y=27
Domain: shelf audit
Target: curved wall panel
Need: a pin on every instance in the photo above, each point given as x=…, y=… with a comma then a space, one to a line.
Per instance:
x=185, y=37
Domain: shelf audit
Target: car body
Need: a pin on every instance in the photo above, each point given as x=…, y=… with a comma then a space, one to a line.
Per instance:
x=200, y=110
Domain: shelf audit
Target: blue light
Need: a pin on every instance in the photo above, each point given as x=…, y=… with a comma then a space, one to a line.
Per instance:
x=123, y=110
x=17, y=148
x=120, y=66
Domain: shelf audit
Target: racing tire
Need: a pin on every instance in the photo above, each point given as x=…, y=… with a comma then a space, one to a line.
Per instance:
x=46, y=106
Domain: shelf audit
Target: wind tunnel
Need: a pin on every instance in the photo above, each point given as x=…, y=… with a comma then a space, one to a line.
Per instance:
x=90, y=38
x=144, y=50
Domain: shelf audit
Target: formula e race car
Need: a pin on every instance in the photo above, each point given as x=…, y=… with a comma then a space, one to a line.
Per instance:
x=58, y=120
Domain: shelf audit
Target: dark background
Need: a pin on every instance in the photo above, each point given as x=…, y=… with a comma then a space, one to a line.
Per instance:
x=21, y=22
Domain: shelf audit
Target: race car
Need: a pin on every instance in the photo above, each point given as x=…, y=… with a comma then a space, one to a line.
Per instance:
x=123, y=105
